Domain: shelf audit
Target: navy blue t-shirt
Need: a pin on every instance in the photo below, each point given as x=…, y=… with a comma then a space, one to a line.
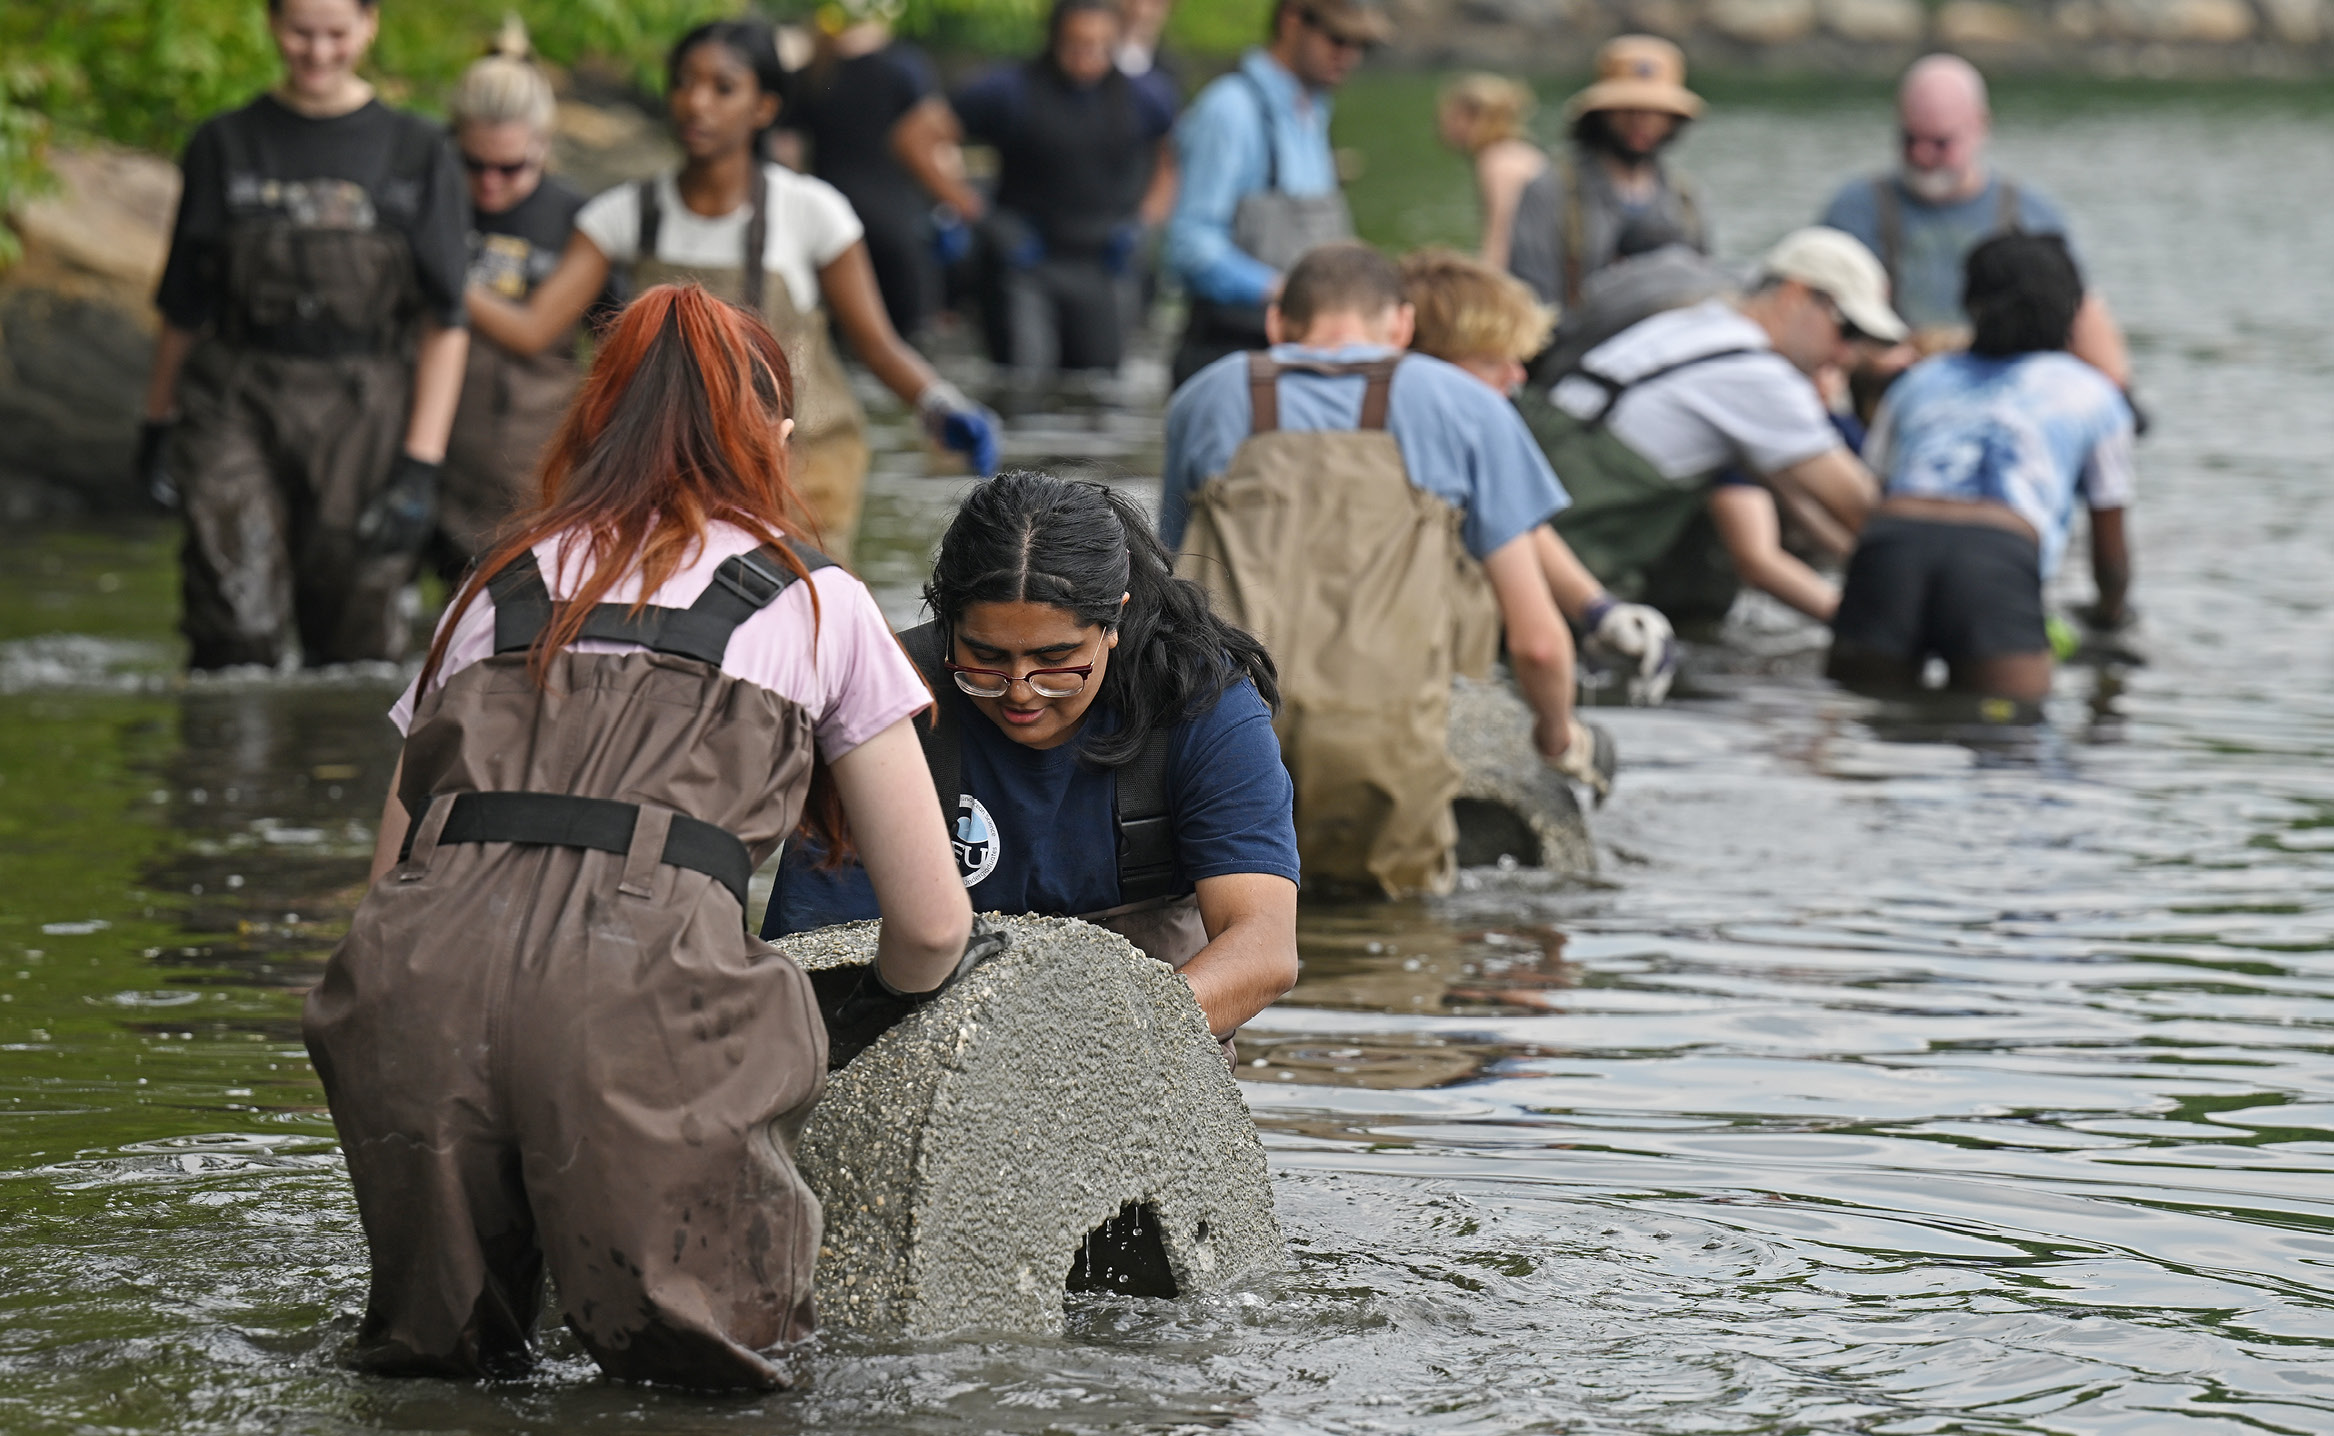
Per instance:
x=1034, y=832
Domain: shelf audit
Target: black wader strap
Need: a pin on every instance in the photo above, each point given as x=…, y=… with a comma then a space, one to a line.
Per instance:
x=652, y=223
x=1140, y=810
x=1573, y=233
x=754, y=275
x=1888, y=219
x=741, y=587
x=560, y=820
x=1615, y=388
x=1271, y=131
x=2006, y=208
x=1264, y=373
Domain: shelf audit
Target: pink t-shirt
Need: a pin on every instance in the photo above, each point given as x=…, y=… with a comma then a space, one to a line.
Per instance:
x=855, y=684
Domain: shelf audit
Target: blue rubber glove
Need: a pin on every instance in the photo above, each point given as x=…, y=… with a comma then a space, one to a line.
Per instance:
x=952, y=238
x=956, y=422
x=1119, y=254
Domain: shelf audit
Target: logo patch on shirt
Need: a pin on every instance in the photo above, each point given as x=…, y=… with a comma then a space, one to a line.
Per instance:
x=975, y=840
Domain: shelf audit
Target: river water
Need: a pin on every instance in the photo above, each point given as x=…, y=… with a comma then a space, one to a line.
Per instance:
x=1897, y=1074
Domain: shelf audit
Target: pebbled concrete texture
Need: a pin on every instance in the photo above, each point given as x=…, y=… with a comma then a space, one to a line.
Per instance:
x=1508, y=798
x=964, y=1158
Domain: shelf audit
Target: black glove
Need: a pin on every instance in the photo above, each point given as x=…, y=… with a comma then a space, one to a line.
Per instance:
x=402, y=516
x=148, y=471
x=871, y=1007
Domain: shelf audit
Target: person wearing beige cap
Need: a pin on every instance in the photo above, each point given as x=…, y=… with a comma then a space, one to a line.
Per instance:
x=1648, y=429
x=1568, y=223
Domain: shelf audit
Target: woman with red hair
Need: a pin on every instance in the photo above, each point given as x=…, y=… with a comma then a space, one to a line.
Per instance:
x=547, y=1039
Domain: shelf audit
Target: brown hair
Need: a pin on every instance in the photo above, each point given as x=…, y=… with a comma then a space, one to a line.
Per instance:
x=1468, y=310
x=1340, y=278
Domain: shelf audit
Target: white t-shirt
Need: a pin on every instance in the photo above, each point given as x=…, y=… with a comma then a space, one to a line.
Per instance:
x=1750, y=409
x=811, y=224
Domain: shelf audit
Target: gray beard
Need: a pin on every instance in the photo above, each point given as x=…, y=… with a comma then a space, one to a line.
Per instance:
x=1930, y=186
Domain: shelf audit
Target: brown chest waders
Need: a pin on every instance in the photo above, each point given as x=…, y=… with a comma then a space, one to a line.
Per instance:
x=548, y=1041
x=291, y=413
x=1358, y=583
x=829, y=447
x=511, y=406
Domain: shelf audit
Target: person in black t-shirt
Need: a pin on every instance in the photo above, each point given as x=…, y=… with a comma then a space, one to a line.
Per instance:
x=1080, y=171
x=311, y=354
x=513, y=397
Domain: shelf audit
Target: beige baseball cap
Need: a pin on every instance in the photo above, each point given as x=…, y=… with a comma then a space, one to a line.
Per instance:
x=1836, y=264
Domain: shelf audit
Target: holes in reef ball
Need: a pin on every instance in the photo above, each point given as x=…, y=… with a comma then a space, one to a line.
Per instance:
x=1490, y=831
x=1125, y=1256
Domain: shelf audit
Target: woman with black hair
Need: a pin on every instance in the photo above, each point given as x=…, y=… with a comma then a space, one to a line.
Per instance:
x=1982, y=457
x=1102, y=746
x=761, y=235
x=1083, y=165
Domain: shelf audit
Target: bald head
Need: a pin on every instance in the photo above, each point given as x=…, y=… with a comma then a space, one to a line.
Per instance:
x=1942, y=121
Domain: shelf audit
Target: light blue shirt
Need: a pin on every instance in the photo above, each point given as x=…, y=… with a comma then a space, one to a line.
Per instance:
x=2034, y=432
x=1221, y=149
x=1459, y=439
x=1936, y=240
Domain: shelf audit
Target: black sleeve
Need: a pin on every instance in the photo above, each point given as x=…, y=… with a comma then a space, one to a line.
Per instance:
x=188, y=292
x=440, y=236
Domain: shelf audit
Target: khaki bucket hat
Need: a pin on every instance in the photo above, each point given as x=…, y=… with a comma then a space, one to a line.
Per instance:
x=1638, y=72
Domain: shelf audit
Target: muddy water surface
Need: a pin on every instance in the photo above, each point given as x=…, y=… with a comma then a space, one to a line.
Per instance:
x=1897, y=1074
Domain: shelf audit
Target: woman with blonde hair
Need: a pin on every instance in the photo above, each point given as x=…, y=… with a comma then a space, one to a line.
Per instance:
x=1485, y=118
x=502, y=114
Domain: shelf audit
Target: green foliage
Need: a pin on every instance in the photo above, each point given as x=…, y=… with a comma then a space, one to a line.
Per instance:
x=1217, y=28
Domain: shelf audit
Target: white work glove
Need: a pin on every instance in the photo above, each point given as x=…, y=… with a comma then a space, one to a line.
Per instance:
x=1639, y=632
x=1589, y=757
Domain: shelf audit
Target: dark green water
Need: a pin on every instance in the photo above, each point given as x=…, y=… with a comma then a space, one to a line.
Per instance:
x=1896, y=1077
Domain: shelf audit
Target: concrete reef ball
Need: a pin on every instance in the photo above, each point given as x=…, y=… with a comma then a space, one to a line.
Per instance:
x=1061, y=1120
x=1510, y=802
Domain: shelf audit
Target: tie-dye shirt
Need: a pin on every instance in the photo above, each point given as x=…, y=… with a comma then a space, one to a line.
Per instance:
x=2034, y=432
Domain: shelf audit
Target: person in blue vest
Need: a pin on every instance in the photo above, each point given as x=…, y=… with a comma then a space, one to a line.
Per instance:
x=1081, y=169
x=1102, y=745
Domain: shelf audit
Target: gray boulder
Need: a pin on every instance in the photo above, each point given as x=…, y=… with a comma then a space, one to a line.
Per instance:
x=1060, y=1121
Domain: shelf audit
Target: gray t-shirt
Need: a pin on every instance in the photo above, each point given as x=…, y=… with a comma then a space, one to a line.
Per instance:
x=1751, y=408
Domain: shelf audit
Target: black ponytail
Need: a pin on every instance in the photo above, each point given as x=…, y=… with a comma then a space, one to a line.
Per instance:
x=1029, y=537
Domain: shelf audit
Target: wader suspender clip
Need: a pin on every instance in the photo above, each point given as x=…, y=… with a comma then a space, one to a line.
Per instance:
x=1264, y=373
x=1615, y=388
x=741, y=587
x=753, y=270
x=1139, y=810
x=1888, y=218
x=1271, y=131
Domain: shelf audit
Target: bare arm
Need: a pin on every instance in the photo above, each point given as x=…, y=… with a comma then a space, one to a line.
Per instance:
x=1501, y=173
x=394, y=822
x=550, y=314
x=1753, y=534
x=1569, y=582
x=1251, y=956
x=2110, y=563
x=437, y=389
x=848, y=285
x=1539, y=646
x=2097, y=340
x=895, y=822
x=170, y=353
x=926, y=142
x=1159, y=195
x=1834, y=483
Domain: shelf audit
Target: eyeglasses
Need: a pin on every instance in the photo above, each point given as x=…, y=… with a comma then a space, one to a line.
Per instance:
x=510, y=171
x=1044, y=682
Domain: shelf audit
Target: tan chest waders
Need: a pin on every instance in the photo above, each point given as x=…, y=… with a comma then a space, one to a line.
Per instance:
x=830, y=429
x=548, y=1041
x=292, y=411
x=511, y=406
x=1358, y=583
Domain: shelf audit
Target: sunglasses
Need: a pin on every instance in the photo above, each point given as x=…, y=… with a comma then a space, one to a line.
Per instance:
x=1849, y=333
x=1342, y=42
x=510, y=171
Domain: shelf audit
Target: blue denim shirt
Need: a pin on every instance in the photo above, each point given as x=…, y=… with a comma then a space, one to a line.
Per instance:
x=1220, y=146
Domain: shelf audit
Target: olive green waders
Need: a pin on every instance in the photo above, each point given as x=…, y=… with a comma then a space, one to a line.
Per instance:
x=1357, y=582
x=548, y=1041
x=829, y=447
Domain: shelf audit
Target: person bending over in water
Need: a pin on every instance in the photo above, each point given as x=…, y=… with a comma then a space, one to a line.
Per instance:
x=1983, y=455
x=1488, y=324
x=761, y=235
x=1103, y=746
x=548, y=1042
x=1484, y=117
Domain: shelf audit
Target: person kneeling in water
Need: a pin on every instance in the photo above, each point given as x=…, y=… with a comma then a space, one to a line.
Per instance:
x=1102, y=745
x=1983, y=455
x=548, y=1042
x=1488, y=324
